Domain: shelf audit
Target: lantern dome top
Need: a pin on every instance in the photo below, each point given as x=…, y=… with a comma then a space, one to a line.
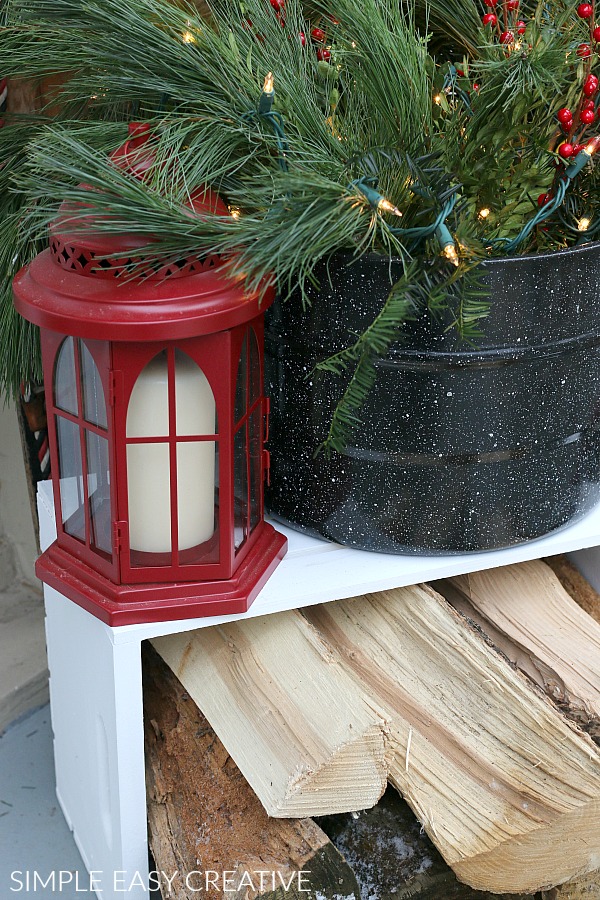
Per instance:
x=92, y=284
x=77, y=247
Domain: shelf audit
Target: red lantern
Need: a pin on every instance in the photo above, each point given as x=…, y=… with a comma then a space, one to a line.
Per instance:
x=156, y=420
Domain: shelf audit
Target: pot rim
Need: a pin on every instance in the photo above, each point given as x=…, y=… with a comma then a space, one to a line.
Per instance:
x=492, y=260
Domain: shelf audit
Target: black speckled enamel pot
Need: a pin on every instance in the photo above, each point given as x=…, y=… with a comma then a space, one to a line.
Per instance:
x=461, y=449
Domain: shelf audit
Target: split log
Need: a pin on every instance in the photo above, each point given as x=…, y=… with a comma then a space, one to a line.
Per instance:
x=293, y=720
x=531, y=618
x=506, y=788
x=587, y=888
x=205, y=821
x=575, y=585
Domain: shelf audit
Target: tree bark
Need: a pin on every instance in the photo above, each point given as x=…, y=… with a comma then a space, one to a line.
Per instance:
x=205, y=821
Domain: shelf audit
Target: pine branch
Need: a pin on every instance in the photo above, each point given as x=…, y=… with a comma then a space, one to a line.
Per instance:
x=196, y=78
x=399, y=307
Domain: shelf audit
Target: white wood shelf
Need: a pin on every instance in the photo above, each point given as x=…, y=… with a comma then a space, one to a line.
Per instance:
x=316, y=571
x=96, y=674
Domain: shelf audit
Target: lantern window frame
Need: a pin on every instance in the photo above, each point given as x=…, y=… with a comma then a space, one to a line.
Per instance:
x=213, y=550
x=84, y=548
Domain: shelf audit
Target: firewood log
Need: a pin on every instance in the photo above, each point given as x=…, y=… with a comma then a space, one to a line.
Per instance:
x=505, y=786
x=207, y=828
x=531, y=618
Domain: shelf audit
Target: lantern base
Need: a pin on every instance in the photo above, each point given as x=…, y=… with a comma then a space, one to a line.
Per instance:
x=132, y=604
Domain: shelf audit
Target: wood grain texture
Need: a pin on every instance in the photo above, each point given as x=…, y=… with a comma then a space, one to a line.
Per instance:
x=203, y=816
x=529, y=615
x=506, y=788
x=280, y=700
x=394, y=860
x=490, y=767
x=575, y=585
x=587, y=888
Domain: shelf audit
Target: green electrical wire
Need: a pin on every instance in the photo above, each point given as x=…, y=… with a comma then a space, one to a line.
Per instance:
x=571, y=172
x=367, y=187
x=265, y=111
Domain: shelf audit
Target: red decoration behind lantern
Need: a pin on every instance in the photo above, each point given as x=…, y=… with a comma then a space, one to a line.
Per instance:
x=156, y=415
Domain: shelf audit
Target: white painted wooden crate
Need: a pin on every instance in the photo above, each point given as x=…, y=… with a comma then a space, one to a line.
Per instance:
x=96, y=677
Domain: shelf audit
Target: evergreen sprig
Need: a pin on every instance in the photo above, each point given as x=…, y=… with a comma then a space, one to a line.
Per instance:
x=436, y=291
x=195, y=74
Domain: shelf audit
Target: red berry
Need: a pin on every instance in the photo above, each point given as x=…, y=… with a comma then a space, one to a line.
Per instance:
x=521, y=27
x=587, y=116
x=543, y=199
x=566, y=150
x=512, y=4
x=475, y=87
x=584, y=51
x=590, y=86
x=577, y=148
x=490, y=19
x=317, y=34
x=587, y=104
x=460, y=73
x=564, y=116
x=489, y=2
x=278, y=5
x=324, y=54
x=507, y=37
x=585, y=10
x=302, y=37
x=596, y=34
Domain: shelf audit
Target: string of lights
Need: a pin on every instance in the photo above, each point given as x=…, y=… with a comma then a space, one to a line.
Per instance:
x=555, y=201
x=265, y=111
x=437, y=228
x=367, y=186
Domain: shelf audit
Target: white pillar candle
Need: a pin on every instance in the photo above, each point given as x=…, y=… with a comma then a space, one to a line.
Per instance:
x=148, y=471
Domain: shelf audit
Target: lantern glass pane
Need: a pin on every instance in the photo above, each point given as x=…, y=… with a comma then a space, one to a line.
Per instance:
x=148, y=410
x=65, y=382
x=71, y=478
x=197, y=511
x=195, y=492
x=94, y=406
x=98, y=482
x=171, y=482
x=240, y=491
x=255, y=379
x=195, y=409
x=241, y=389
x=256, y=467
x=149, y=501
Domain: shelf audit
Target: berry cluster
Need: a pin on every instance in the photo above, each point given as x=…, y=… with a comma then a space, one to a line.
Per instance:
x=317, y=35
x=575, y=123
x=511, y=24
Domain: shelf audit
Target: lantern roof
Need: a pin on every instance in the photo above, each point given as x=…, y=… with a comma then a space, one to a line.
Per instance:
x=95, y=285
